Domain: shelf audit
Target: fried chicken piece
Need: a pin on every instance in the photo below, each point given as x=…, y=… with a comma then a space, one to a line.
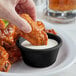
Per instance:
x=8, y=39
x=4, y=65
x=8, y=36
x=36, y=36
x=14, y=54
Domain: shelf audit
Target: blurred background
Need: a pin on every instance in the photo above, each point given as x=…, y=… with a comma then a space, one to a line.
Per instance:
x=40, y=7
x=57, y=11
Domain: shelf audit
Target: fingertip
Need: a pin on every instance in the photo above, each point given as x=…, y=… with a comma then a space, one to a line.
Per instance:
x=27, y=29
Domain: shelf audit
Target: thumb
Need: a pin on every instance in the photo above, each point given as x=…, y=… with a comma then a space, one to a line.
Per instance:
x=22, y=24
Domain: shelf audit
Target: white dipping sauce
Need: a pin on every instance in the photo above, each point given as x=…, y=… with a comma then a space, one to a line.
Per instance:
x=51, y=43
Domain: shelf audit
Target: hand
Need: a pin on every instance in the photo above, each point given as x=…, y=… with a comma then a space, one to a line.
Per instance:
x=10, y=10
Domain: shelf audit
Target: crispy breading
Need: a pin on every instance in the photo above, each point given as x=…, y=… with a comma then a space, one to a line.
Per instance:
x=4, y=65
x=8, y=36
x=36, y=36
x=14, y=54
x=40, y=25
x=3, y=53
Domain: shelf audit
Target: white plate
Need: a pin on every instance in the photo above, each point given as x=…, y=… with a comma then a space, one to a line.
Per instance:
x=65, y=59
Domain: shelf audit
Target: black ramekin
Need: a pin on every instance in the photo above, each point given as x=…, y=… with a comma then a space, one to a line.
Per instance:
x=40, y=57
